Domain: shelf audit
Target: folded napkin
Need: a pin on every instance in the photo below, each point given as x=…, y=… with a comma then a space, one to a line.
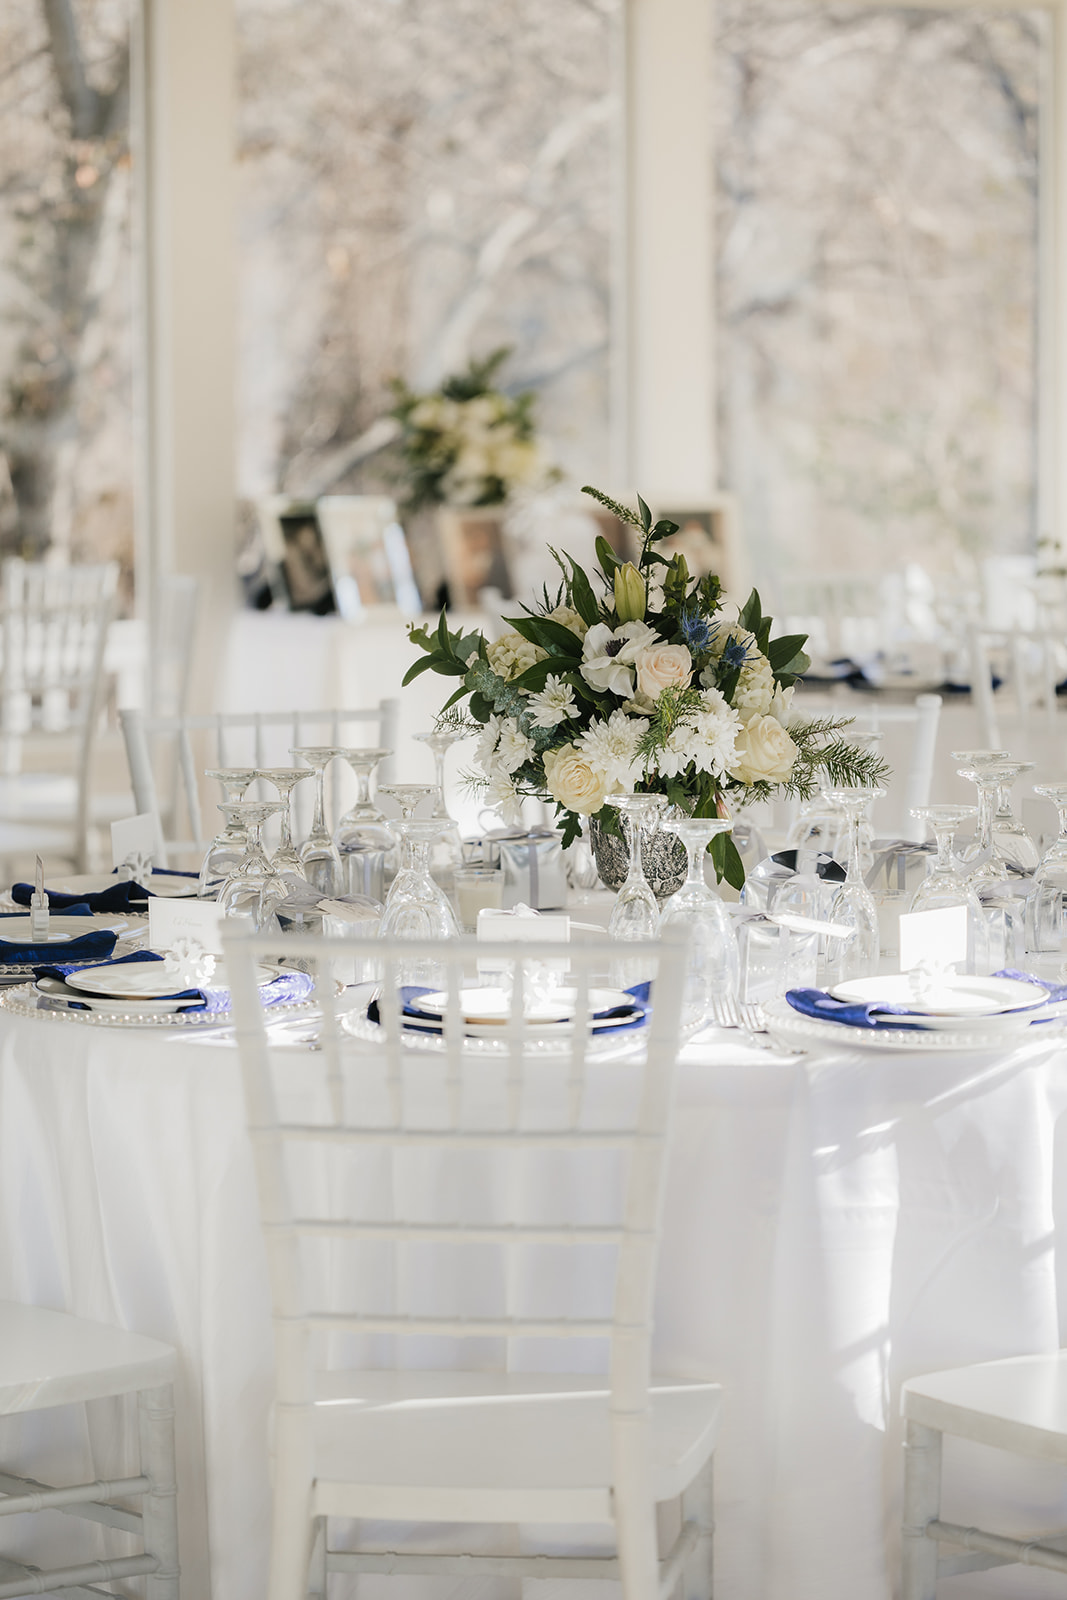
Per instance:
x=287, y=988
x=88, y=947
x=1056, y=992
x=122, y=895
x=428, y=1022
x=817, y=1003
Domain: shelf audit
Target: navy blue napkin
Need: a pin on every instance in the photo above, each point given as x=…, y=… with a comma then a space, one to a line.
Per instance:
x=286, y=988
x=822, y=1006
x=428, y=1022
x=88, y=947
x=122, y=895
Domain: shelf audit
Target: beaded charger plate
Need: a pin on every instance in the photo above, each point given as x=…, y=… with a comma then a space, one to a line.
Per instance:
x=26, y=1000
x=791, y=1027
x=538, y=1042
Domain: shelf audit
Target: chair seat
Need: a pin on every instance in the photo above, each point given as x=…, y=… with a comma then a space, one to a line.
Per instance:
x=492, y=1447
x=50, y=1359
x=1019, y=1404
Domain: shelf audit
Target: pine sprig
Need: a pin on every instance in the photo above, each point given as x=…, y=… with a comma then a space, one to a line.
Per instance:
x=616, y=507
x=673, y=706
x=847, y=766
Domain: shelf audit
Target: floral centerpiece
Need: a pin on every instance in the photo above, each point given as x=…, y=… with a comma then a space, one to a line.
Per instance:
x=467, y=443
x=638, y=678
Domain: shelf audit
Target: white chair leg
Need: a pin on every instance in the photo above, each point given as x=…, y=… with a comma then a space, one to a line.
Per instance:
x=635, y=1531
x=698, y=1505
x=317, y=1570
x=922, y=1504
x=159, y=1507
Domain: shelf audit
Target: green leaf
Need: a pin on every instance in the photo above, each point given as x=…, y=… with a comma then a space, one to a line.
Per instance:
x=582, y=596
x=609, y=561
x=646, y=515
x=572, y=826
x=427, y=664
x=663, y=529
x=534, y=678
x=552, y=636
x=751, y=613
x=728, y=863
x=443, y=639
x=781, y=651
x=481, y=708
x=454, y=698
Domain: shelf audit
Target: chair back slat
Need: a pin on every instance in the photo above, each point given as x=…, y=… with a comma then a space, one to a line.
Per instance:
x=373, y=1152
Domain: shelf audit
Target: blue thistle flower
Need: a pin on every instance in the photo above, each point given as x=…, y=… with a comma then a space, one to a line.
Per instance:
x=734, y=654
x=696, y=631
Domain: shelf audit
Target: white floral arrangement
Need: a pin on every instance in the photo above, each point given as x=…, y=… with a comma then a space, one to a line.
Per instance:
x=652, y=685
x=468, y=443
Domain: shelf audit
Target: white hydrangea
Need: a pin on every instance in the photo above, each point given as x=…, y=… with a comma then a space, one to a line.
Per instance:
x=553, y=705
x=569, y=618
x=726, y=632
x=610, y=747
x=755, y=688
x=511, y=654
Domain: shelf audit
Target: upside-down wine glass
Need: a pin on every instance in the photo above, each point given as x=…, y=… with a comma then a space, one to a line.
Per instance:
x=714, y=967
x=227, y=847
x=408, y=796
x=1046, y=906
x=286, y=857
x=1012, y=840
x=946, y=884
x=448, y=853
x=319, y=860
x=635, y=914
x=364, y=842
x=254, y=890
x=416, y=907
x=1003, y=910
x=853, y=904
x=976, y=761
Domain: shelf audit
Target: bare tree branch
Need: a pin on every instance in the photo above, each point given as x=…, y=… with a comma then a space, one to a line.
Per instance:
x=80, y=98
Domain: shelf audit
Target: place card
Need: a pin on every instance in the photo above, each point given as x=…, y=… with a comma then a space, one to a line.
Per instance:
x=522, y=925
x=171, y=920
x=934, y=938
x=135, y=839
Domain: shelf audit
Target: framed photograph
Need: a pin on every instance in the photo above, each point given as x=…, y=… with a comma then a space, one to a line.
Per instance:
x=475, y=553
x=709, y=538
x=367, y=553
x=296, y=554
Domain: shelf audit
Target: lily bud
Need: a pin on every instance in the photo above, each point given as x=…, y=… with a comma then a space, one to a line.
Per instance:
x=629, y=593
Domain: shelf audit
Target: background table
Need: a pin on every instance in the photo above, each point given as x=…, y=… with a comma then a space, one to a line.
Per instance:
x=832, y=1226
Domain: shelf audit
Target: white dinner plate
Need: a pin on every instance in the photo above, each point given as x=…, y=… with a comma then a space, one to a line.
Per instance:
x=145, y=980
x=957, y=996
x=170, y=885
x=814, y=1033
x=18, y=930
x=491, y=1007
x=56, y=989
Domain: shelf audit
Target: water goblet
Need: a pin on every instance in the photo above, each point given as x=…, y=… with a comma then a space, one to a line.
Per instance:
x=976, y=761
x=408, y=796
x=1046, y=905
x=364, y=842
x=286, y=857
x=946, y=883
x=254, y=890
x=227, y=847
x=416, y=907
x=1010, y=838
x=713, y=969
x=448, y=853
x=319, y=860
x=635, y=914
x=853, y=904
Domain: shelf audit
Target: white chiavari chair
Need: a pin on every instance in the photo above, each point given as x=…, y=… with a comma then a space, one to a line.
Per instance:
x=54, y=623
x=1019, y=1406
x=910, y=732
x=50, y=1359
x=1028, y=663
x=168, y=755
x=462, y=1244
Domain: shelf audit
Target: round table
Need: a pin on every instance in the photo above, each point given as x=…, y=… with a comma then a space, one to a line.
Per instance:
x=833, y=1225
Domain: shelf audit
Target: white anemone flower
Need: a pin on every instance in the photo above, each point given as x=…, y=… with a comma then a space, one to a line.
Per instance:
x=609, y=654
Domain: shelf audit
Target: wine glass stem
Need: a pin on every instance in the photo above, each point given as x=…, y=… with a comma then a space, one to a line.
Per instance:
x=439, y=765
x=984, y=829
x=1061, y=807
x=852, y=871
x=362, y=786
x=635, y=837
x=943, y=834
x=418, y=855
x=318, y=822
x=695, y=851
x=285, y=820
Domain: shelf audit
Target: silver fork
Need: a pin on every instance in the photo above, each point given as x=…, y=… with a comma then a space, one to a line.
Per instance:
x=751, y=1018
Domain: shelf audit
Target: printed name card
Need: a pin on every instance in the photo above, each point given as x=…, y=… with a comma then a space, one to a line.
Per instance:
x=171, y=920
x=135, y=838
x=936, y=938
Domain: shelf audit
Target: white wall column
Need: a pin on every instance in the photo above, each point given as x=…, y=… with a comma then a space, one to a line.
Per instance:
x=1052, y=295
x=185, y=156
x=664, y=389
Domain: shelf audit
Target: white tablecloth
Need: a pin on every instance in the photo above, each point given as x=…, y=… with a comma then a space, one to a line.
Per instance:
x=831, y=1227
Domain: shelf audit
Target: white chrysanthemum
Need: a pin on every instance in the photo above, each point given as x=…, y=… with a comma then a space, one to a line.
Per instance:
x=511, y=654
x=553, y=705
x=755, y=688
x=569, y=618
x=611, y=748
x=514, y=747
x=503, y=797
x=487, y=741
x=681, y=748
x=717, y=726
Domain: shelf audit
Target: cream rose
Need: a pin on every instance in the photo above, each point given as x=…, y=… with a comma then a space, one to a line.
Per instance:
x=764, y=752
x=662, y=666
x=573, y=782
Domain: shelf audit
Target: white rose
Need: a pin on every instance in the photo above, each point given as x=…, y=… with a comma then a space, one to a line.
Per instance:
x=764, y=752
x=573, y=782
x=782, y=704
x=662, y=666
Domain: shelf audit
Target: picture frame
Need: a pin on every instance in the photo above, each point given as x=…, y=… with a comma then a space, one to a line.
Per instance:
x=709, y=536
x=475, y=553
x=298, y=564
x=368, y=555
